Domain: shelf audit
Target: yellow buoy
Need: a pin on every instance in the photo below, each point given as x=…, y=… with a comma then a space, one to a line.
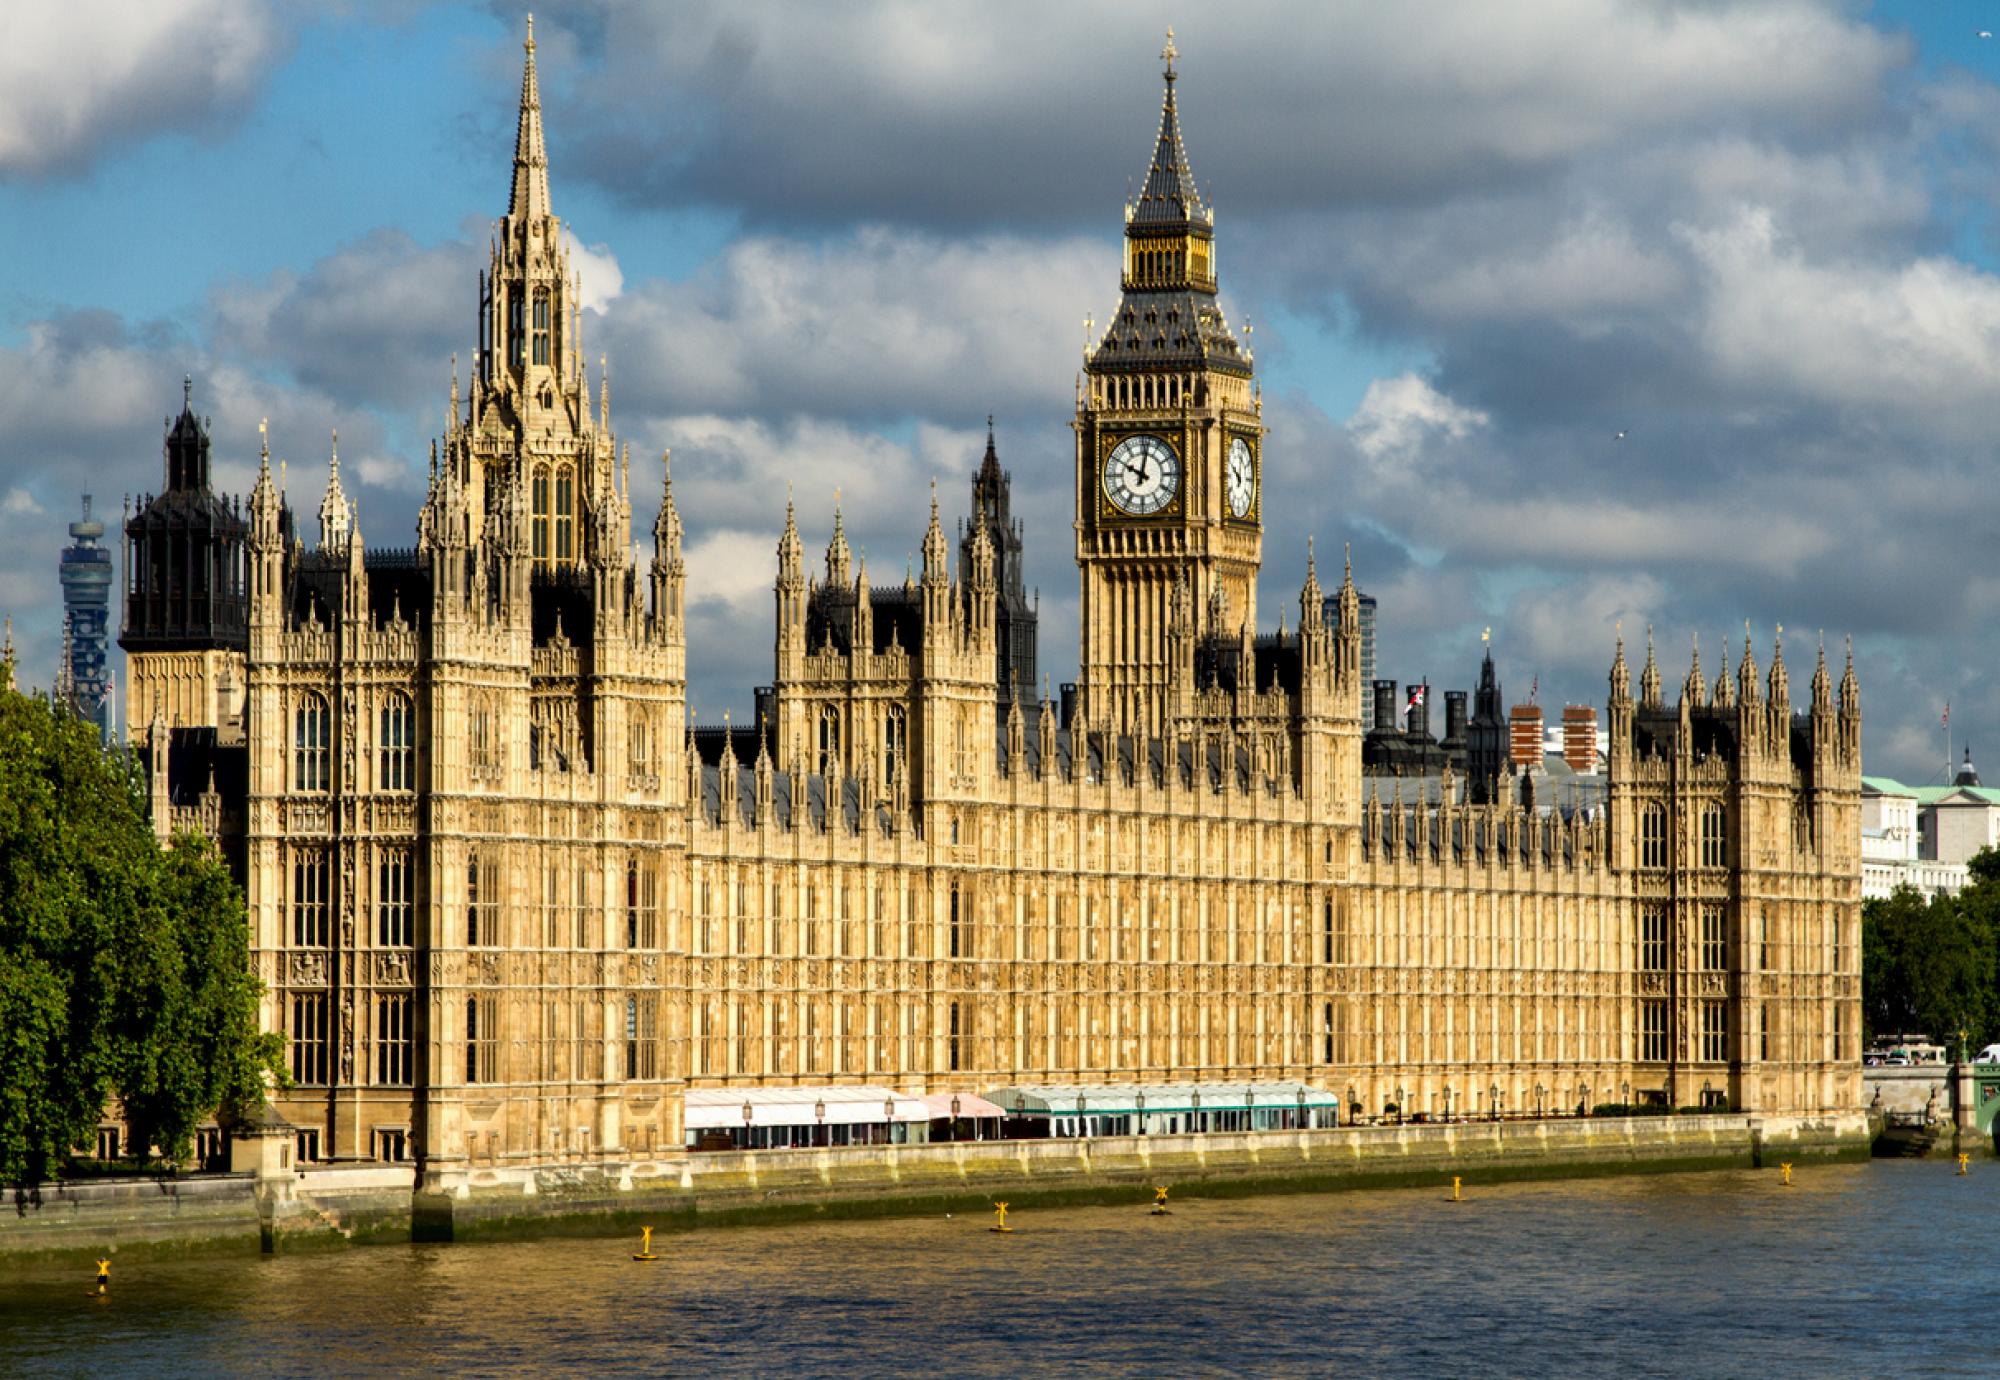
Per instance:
x=1455, y=1196
x=1964, y=1161
x=103, y=1277
x=1001, y=1225
x=1160, y=1201
x=645, y=1251
x=1785, y=1170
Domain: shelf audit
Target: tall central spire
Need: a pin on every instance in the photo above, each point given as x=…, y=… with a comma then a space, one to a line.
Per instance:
x=1170, y=196
x=530, y=196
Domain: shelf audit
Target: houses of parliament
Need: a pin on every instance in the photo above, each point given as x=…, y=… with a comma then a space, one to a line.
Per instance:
x=509, y=908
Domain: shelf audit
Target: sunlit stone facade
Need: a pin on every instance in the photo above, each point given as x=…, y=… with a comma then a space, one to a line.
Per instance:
x=508, y=907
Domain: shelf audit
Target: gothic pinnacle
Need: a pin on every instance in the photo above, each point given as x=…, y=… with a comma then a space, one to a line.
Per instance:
x=530, y=195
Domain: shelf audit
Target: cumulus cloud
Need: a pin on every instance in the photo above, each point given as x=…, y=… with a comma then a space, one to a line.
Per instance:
x=875, y=323
x=887, y=110
x=80, y=78
x=372, y=323
x=1397, y=415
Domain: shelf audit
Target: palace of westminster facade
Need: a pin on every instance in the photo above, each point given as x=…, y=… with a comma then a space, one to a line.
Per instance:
x=508, y=908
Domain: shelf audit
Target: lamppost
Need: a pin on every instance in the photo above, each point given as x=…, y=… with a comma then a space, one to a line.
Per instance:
x=1139, y=1098
x=888, y=1120
x=1399, y=1104
x=1081, y=1102
x=954, y=1116
x=1302, y=1109
x=819, y=1112
x=746, y=1123
x=1625, y=1095
x=1538, y=1099
x=1583, y=1099
x=1250, y=1107
x=1447, y=1104
x=1707, y=1091
x=1353, y=1104
x=1494, y=1101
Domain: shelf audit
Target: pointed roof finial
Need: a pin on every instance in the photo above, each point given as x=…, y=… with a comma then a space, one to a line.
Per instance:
x=530, y=196
x=187, y=391
x=1169, y=53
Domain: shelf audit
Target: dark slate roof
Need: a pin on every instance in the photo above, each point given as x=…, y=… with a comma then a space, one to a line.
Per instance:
x=1157, y=327
x=849, y=801
x=1169, y=196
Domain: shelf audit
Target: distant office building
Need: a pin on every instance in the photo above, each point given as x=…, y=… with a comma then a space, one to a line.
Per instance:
x=1923, y=836
x=1365, y=620
x=1579, y=737
x=1524, y=736
x=85, y=571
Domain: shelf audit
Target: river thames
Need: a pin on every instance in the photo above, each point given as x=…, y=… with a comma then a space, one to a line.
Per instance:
x=1855, y=1270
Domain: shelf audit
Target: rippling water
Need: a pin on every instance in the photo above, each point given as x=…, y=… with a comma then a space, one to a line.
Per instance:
x=1857, y=1270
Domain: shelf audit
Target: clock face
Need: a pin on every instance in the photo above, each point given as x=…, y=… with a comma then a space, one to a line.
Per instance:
x=1239, y=478
x=1142, y=475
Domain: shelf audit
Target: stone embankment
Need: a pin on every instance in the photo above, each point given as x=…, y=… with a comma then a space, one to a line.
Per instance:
x=336, y=1205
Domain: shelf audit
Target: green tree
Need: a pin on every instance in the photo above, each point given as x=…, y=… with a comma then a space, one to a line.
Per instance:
x=1929, y=965
x=124, y=967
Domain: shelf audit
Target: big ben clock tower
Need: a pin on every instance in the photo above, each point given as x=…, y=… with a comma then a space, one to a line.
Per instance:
x=1168, y=452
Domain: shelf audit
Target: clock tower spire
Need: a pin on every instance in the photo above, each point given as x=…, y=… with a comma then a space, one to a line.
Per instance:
x=1168, y=448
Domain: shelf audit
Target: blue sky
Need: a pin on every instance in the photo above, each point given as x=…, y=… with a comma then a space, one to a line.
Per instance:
x=823, y=242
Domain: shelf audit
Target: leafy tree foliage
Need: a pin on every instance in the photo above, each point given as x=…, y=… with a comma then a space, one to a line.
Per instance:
x=124, y=967
x=1931, y=966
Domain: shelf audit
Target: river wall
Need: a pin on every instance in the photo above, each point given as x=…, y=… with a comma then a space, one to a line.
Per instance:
x=332, y=1206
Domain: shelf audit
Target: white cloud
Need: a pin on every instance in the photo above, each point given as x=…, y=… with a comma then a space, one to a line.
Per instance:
x=75, y=78
x=597, y=269
x=876, y=322
x=1919, y=337
x=18, y=502
x=1397, y=416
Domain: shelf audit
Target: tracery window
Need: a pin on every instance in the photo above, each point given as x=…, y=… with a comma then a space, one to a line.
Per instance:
x=392, y=1040
x=393, y=876
x=482, y=901
x=309, y=1039
x=1714, y=837
x=895, y=742
x=564, y=516
x=1653, y=836
x=1653, y=1032
x=829, y=743
x=311, y=742
x=1714, y=939
x=397, y=745
x=1714, y=1032
x=642, y=1023
x=482, y=1039
x=538, y=506
x=541, y=349
x=1653, y=939
x=309, y=899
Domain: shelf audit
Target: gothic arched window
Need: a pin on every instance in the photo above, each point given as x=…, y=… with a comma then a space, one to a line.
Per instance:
x=397, y=743
x=895, y=742
x=564, y=516
x=310, y=747
x=1714, y=837
x=1653, y=836
x=541, y=353
x=829, y=739
x=539, y=508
